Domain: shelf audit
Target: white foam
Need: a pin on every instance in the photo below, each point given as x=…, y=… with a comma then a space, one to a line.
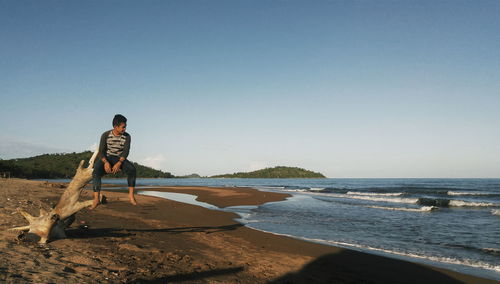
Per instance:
x=467, y=193
x=375, y=193
x=461, y=203
x=421, y=209
x=270, y=187
x=316, y=188
x=249, y=221
x=375, y=198
x=495, y=211
x=295, y=190
x=492, y=250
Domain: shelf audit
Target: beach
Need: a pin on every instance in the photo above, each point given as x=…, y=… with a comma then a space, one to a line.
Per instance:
x=165, y=241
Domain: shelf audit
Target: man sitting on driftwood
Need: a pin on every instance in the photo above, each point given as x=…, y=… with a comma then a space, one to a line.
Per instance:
x=114, y=148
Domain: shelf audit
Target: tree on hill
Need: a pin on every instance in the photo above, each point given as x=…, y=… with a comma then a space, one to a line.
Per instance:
x=276, y=172
x=63, y=165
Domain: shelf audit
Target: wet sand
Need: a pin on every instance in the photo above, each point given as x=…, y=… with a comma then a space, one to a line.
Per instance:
x=163, y=241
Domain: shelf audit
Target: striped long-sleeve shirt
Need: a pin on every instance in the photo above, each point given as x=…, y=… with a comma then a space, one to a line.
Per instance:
x=111, y=145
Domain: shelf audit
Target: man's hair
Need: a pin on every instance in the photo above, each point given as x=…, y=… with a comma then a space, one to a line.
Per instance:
x=118, y=119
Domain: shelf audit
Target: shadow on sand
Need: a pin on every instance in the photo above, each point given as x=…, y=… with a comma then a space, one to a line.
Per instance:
x=87, y=233
x=355, y=267
x=190, y=276
x=345, y=266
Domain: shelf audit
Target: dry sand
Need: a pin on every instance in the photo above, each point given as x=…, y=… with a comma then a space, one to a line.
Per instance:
x=163, y=241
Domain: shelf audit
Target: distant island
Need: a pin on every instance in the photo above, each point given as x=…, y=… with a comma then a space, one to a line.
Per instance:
x=190, y=176
x=64, y=166
x=276, y=172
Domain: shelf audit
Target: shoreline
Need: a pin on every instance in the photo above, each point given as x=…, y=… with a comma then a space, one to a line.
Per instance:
x=202, y=196
x=162, y=240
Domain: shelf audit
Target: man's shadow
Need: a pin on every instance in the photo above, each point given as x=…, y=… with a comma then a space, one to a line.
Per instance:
x=181, y=277
x=349, y=266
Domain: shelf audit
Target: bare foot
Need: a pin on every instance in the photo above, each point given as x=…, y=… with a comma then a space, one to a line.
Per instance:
x=132, y=200
x=95, y=203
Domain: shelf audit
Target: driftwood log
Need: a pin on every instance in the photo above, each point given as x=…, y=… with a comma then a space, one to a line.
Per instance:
x=51, y=224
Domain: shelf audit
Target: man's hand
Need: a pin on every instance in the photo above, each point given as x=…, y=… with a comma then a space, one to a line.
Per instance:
x=116, y=167
x=107, y=167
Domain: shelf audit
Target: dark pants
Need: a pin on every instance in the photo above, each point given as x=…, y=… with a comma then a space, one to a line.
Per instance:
x=99, y=171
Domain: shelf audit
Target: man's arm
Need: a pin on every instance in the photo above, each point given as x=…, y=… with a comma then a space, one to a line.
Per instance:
x=103, y=146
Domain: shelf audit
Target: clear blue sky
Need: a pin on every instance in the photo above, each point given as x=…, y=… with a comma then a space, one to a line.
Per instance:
x=346, y=88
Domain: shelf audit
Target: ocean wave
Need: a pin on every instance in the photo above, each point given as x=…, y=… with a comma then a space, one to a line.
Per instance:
x=491, y=251
x=433, y=202
x=461, y=203
x=250, y=221
x=374, y=198
x=436, y=202
x=453, y=203
x=494, y=251
x=295, y=187
x=333, y=190
x=445, y=191
x=421, y=209
x=296, y=190
x=316, y=188
x=407, y=189
x=269, y=187
x=374, y=193
x=495, y=211
x=460, y=193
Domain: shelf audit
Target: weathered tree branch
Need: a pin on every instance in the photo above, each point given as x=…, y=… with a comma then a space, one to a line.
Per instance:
x=52, y=223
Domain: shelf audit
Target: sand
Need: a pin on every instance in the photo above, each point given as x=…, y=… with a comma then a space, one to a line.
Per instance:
x=163, y=241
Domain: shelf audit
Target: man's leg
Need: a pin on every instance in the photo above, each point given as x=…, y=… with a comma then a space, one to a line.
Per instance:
x=96, y=181
x=129, y=169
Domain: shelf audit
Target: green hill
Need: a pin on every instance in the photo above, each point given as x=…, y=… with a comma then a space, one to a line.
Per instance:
x=63, y=166
x=276, y=172
x=190, y=176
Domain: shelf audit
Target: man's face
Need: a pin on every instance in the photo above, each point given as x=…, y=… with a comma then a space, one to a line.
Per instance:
x=120, y=128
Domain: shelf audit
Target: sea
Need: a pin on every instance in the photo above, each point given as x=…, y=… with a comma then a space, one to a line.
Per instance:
x=449, y=223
